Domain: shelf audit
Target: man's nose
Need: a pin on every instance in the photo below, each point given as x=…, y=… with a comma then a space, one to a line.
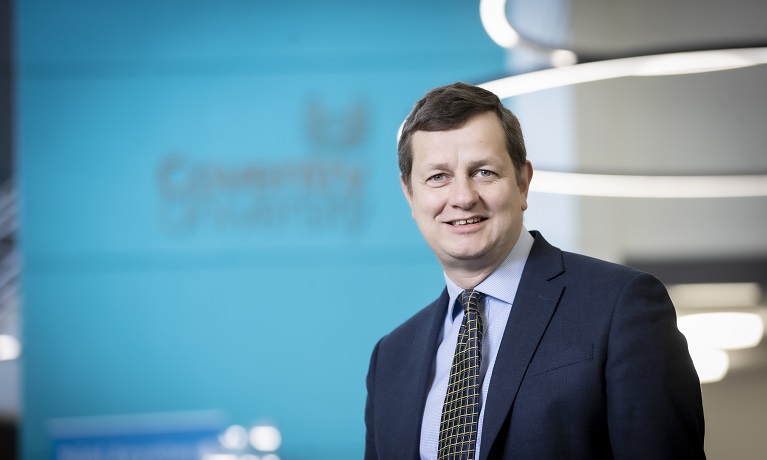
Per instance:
x=464, y=194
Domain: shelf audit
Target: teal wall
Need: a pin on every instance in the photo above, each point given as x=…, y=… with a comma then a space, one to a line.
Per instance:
x=211, y=208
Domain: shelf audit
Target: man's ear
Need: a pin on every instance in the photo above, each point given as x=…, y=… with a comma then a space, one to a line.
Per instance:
x=523, y=182
x=407, y=191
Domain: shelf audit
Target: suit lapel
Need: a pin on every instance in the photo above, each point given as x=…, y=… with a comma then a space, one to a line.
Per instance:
x=537, y=298
x=415, y=378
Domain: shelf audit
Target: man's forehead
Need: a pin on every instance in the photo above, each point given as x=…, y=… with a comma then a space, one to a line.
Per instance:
x=435, y=159
x=481, y=135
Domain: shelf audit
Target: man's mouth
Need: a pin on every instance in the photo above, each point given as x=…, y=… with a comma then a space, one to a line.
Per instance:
x=459, y=222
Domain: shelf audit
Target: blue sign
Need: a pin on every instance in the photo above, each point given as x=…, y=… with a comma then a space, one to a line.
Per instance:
x=136, y=437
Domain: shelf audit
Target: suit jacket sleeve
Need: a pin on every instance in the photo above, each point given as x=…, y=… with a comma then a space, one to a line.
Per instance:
x=653, y=393
x=370, y=442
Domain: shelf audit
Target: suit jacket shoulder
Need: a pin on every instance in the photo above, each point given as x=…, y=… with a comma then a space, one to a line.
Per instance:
x=591, y=365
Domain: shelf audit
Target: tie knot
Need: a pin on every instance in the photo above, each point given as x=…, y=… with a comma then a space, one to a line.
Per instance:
x=470, y=300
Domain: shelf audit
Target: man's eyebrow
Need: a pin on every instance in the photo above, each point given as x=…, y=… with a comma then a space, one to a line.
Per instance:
x=482, y=163
x=472, y=164
x=440, y=166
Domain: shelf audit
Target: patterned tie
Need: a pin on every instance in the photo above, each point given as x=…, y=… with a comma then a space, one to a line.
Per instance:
x=460, y=413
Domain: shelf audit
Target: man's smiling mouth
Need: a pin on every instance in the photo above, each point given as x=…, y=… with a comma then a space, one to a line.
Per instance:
x=460, y=222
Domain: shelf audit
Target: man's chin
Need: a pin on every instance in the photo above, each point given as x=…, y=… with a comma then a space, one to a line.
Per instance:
x=472, y=258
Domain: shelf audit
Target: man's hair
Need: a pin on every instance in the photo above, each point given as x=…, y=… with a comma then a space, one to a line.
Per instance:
x=450, y=107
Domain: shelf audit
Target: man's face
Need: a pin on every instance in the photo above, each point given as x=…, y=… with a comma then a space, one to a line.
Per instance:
x=466, y=198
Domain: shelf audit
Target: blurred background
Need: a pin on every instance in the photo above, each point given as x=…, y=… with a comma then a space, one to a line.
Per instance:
x=201, y=220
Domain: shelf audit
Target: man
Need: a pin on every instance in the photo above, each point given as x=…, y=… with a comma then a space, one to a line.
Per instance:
x=529, y=352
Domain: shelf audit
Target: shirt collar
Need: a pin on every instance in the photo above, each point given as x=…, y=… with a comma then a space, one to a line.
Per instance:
x=503, y=282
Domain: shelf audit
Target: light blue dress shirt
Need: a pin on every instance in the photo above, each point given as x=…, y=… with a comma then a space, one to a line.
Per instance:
x=499, y=288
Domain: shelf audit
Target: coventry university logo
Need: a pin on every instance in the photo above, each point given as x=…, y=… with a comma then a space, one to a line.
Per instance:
x=322, y=192
x=337, y=129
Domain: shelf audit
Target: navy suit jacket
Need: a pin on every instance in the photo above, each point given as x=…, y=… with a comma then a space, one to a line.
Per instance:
x=591, y=366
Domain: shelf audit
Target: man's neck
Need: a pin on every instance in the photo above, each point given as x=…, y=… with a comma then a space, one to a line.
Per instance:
x=468, y=277
x=468, y=280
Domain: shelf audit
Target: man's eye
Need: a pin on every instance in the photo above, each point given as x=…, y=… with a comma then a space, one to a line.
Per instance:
x=484, y=173
x=437, y=177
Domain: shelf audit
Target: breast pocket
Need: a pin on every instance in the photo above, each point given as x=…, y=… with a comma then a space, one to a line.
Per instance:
x=549, y=361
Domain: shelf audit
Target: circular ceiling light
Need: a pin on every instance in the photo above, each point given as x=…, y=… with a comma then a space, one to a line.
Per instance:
x=567, y=72
x=492, y=13
x=654, y=65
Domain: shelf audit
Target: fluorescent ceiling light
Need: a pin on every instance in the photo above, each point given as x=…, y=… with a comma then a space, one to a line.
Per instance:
x=725, y=331
x=649, y=186
x=711, y=365
x=716, y=295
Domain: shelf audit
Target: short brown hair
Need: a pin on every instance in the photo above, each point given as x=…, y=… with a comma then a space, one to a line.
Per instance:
x=450, y=107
